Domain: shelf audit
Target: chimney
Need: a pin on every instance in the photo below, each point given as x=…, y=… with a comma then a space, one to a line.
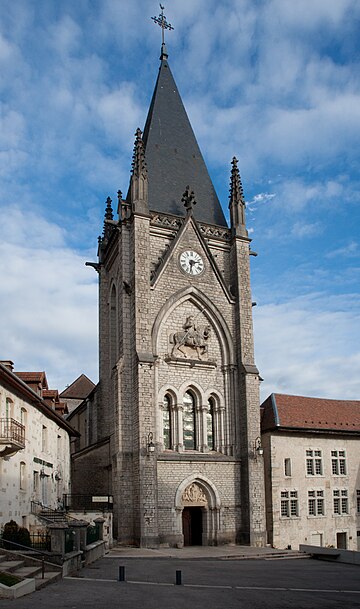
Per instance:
x=8, y=364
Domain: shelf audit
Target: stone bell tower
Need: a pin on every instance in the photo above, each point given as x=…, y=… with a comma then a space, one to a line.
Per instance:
x=178, y=398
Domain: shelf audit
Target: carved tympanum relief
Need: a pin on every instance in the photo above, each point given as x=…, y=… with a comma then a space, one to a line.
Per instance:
x=194, y=494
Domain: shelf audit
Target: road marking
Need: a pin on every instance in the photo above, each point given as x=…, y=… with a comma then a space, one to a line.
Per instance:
x=222, y=587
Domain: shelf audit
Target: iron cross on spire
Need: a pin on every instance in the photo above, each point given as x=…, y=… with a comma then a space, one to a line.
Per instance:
x=161, y=21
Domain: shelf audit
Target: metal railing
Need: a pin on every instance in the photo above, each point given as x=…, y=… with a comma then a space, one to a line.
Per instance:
x=40, y=541
x=12, y=432
x=21, y=550
x=48, y=514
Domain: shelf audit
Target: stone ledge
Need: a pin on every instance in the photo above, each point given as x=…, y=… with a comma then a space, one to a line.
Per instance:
x=26, y=586
x=190, y=363
x=189, y=457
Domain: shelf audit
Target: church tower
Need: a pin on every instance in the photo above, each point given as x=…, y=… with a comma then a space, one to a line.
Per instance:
x=178, y=396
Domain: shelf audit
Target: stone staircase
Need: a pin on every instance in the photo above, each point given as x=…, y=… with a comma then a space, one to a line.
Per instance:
x=48, y=515
x=42, y=572
x=288, y=555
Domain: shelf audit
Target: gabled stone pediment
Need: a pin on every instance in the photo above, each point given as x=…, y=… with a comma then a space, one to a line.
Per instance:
x=188, y=233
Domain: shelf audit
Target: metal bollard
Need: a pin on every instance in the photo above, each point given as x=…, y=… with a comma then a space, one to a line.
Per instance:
x=178, y=578
x=121, y=574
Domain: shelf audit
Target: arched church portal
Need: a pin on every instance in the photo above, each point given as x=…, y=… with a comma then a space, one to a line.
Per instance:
x=199, y=510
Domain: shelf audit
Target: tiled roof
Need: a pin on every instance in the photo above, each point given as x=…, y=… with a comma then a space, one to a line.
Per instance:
x=33, y=377
x=51, y=393
x=24, y=388
x=299, y=412
x=79, y=389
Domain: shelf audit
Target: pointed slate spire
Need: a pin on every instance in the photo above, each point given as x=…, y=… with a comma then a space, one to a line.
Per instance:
x=173, y=156
x=139, y=176
x=237, y=201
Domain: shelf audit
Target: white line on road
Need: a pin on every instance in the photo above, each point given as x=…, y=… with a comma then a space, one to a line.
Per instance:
x=269, y=588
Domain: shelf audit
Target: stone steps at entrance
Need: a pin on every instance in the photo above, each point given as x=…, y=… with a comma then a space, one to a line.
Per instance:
x=230, y=552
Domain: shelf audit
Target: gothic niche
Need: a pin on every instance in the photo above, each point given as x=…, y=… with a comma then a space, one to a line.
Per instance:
x=193, y=495
x=192, y=341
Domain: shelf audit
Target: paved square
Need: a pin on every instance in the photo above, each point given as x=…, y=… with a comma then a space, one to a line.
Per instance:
x=206, y=584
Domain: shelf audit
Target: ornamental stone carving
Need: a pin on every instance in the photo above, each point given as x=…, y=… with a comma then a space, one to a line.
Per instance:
x=194, y=495
x=192, y=341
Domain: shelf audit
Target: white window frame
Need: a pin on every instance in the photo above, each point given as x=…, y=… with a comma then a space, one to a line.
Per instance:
x=289, y=503
x=340, y=502
x=338, y=462
x=316, y=499
x=314, y=464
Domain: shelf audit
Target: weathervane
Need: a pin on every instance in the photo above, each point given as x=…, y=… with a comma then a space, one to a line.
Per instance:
x=161, y=21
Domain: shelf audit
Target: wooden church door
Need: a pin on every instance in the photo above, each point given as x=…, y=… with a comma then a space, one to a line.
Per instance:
x=192, y=526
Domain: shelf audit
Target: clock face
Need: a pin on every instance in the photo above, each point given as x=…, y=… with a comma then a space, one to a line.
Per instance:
x=191, y=262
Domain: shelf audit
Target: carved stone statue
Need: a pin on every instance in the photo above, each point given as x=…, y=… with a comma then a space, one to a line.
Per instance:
x=195, y=337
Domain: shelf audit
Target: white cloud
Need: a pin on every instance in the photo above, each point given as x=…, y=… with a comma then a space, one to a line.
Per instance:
x=65, y=36
x=276, y=83
x=48, y=299
x=303, y=229
x=351, y=250
x=309, y=346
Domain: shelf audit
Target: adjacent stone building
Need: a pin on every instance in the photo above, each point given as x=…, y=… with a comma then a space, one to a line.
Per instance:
x=175, y=419
x=34, y=446
x=312, y=471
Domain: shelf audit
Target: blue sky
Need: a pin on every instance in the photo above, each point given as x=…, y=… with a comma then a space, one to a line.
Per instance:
x=275, y=83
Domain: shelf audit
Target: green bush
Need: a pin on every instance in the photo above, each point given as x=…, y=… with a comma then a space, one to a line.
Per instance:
x=13, y=533
x=24, y=537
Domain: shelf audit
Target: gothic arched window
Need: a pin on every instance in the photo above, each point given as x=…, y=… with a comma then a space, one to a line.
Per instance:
x=210, y=425
x=113, y=327
x=189, y=421
x=167, y=422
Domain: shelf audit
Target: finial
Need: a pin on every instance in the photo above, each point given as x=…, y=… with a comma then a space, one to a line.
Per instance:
x=237, y=200
x=109, y=211
x=236, y=189
x=138, y=161
x=188, y=199
x=108, y=220
x=161, y=21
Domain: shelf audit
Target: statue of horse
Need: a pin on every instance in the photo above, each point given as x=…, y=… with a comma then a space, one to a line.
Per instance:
x=195, y=338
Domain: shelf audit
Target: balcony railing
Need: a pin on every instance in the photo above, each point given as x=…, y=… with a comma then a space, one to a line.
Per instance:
x=12, y=433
